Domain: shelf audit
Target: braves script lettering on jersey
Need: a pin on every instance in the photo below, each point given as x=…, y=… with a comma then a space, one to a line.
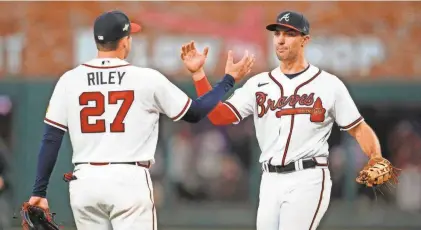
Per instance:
x=293, y=119
x=111, y=111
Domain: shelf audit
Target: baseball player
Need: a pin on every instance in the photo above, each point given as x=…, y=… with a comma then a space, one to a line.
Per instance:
x=294, y=107
x=111, y=111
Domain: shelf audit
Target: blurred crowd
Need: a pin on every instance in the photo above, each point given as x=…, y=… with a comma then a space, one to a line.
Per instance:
x=5, y=188
x=5, y=161
x=405, y=143
x=208, y=163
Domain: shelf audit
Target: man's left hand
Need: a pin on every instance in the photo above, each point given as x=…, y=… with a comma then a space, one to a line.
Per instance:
x=39, y=202
x=192, y=58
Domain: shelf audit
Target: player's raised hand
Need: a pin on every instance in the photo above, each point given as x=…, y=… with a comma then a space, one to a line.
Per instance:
x=192, y=58
x=240, y=69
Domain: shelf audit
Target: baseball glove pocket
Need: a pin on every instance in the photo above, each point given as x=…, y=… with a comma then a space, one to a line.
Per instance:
x=36, y=218
x=378, y=171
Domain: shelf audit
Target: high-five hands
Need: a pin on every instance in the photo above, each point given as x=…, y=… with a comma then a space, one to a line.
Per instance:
x=194, y=61
x=240, y=69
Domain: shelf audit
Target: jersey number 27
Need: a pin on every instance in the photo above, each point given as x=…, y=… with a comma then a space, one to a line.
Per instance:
x=117, y=125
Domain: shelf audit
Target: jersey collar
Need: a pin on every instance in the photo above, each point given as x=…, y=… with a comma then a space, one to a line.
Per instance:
x=106, y=62
x=280, y=77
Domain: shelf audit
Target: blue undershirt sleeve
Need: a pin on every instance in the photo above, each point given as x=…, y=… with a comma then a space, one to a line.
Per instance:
x=201, y=106
x=47, y=158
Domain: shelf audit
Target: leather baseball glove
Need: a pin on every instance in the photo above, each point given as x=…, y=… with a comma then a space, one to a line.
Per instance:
x=377, y=172
x=36, y=218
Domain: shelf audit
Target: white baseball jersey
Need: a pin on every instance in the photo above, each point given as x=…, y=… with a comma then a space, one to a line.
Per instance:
x=111, y=110
x=293, y=118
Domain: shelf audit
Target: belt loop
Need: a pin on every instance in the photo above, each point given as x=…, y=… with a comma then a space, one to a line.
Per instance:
x=300, y=164
x=297, y=165
x=267, y=163
x=265, y=166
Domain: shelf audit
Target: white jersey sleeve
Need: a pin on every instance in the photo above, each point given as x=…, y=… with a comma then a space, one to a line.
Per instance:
x=346, y=112
x=56, y=114
x=169, y=99
x=242, y=101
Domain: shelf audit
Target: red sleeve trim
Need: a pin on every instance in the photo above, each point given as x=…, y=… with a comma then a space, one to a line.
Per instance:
x=352, y=124
x=58, y=125
x=183, y=111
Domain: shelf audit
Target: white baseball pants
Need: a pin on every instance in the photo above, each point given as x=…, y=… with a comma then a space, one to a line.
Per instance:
x=118, y=196
x=293, y=201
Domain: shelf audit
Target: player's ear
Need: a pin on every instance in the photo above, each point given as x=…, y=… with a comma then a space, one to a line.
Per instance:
x=126, y=42
x=305, y=40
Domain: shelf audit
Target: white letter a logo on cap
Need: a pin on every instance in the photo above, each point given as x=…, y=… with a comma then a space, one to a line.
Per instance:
x=126, y=27
x=286, y=17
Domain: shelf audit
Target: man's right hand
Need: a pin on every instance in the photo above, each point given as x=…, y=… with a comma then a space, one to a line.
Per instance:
x=240, y=69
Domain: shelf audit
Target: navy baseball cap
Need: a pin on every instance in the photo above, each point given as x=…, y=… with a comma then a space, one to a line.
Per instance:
x=113, y=25
x=291, y=20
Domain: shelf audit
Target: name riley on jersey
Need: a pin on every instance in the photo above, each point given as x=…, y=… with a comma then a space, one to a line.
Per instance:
x=101, y=78
x=314, y=108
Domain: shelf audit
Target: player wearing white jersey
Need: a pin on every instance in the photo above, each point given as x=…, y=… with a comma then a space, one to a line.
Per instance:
x=111, y=111
x=294, y=107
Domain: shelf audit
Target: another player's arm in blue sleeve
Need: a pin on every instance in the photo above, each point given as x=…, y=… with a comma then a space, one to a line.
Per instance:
x=47, y=158
x=201, y=106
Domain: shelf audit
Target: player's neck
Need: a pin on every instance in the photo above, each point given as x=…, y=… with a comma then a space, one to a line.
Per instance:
x=110, y=54
x=293, y=66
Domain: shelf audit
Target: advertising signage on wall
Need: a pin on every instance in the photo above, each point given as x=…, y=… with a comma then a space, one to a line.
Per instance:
x=35, y=43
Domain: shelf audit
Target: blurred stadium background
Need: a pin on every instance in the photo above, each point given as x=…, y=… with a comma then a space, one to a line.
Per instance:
x=208, y=177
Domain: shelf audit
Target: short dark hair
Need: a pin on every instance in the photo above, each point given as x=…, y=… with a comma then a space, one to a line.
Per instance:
x=108, y=46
